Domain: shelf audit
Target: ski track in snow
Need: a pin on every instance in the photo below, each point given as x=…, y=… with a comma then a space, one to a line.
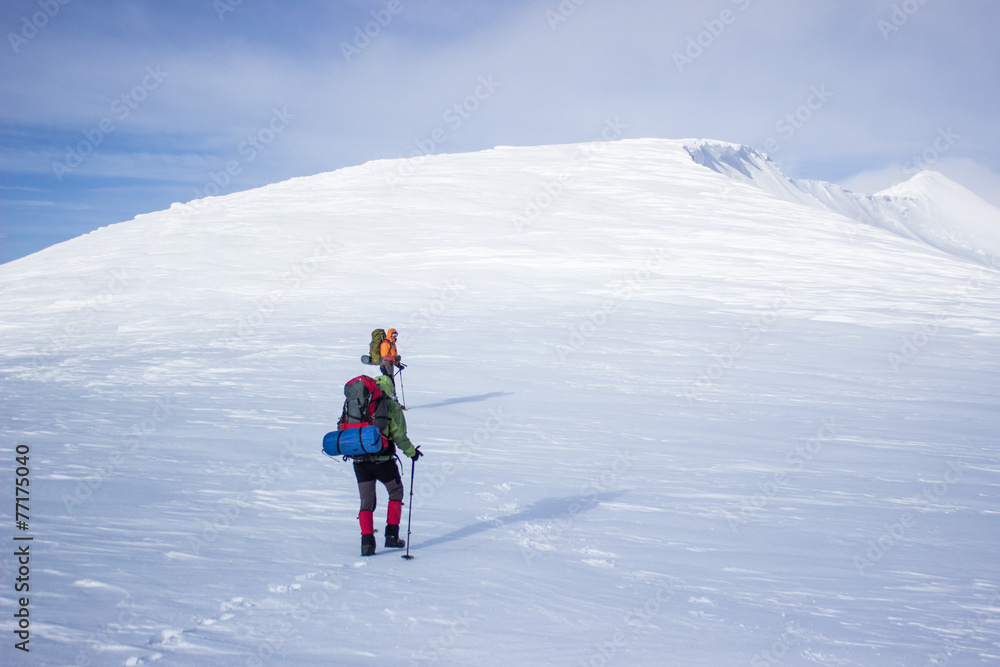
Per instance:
x=671, y=416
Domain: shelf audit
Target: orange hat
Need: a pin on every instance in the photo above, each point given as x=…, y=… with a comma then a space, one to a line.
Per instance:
x=390, y=333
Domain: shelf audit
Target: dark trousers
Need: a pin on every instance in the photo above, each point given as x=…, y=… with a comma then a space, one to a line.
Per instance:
x=368, y=473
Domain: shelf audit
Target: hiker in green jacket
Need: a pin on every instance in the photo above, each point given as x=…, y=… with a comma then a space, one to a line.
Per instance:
x=382, y=467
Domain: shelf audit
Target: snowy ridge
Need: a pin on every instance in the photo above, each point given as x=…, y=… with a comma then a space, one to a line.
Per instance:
x=929, y=207
x=668, y=417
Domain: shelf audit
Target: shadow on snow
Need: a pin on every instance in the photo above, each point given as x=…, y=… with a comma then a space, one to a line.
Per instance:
x=463, y=399
x=546, y=509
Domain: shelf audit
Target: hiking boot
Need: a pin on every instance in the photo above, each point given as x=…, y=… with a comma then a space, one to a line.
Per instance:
x=392, y=540
x=367, y=545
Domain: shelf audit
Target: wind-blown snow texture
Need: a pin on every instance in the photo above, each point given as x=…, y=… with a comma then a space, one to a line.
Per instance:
x=673, y=415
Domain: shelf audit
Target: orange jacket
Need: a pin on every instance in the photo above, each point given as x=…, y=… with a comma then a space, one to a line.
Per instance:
x=388, y=352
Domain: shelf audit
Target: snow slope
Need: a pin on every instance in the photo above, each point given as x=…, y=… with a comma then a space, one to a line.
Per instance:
x=671, y=417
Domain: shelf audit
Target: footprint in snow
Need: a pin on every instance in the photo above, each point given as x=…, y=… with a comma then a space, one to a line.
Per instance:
x=234, y=604
x=277, y=588
x=227, y=607
x=598, y=558
x=170, y=638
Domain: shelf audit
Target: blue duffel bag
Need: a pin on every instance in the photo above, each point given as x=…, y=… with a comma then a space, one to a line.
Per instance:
x=362, y=441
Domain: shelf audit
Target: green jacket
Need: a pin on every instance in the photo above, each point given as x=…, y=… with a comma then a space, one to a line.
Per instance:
x=396, y=432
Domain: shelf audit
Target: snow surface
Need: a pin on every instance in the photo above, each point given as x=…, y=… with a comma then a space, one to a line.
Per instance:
x=673, y=415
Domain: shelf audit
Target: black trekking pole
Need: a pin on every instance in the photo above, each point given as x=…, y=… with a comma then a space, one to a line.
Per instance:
x=409, y=513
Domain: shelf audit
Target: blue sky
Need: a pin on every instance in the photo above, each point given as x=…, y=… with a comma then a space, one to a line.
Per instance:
x=110, y=109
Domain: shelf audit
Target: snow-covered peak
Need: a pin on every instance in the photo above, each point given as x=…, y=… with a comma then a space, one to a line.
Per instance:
x=946, y=215
x=928, y=207
x=926, y=185
x=932, y=190
x=748, y=165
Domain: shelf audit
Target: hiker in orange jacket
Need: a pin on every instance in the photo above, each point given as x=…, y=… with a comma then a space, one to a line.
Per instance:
x=390, y=357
